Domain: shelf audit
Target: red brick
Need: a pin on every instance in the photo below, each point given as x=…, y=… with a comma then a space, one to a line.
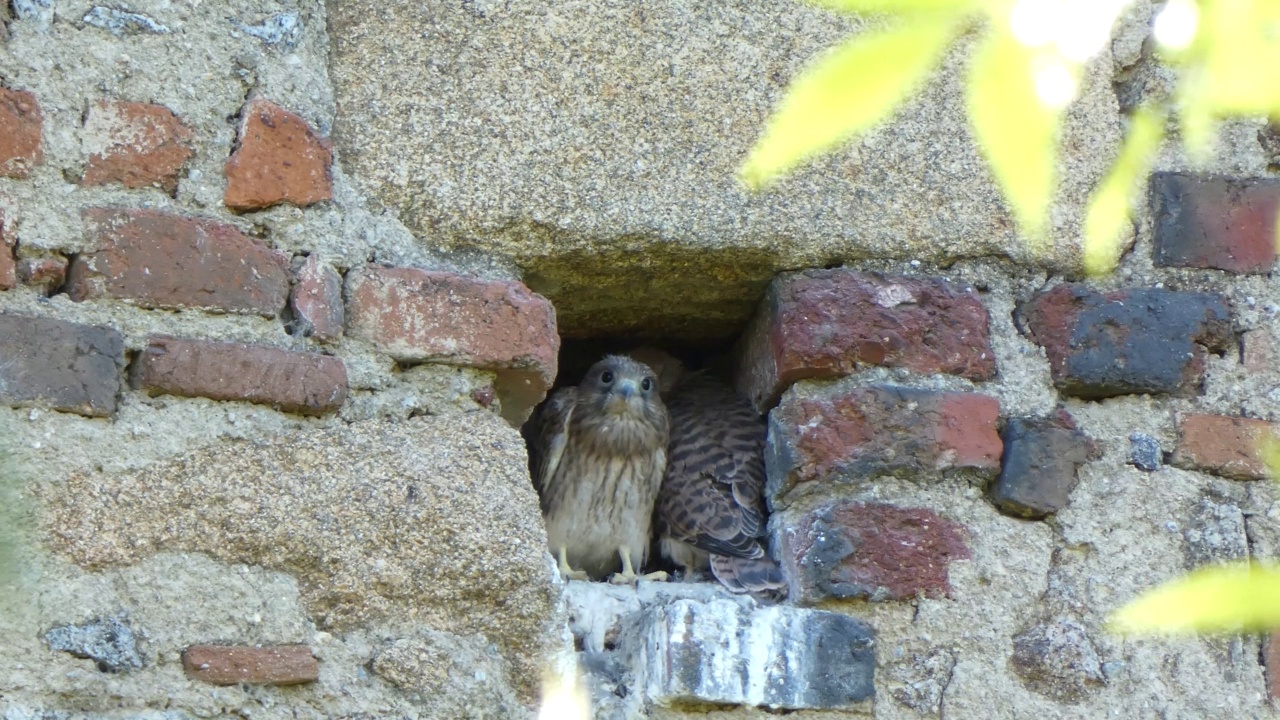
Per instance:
x=871, y=551
x=1271, y=663
x=1215, y=222
x=279, y=159
x=8, y=269
x=21, y=123
x=49, y=272
x=830, y=434
x=301, y=382
x=317, y=300
x=1222, y=445
x=1137, y=340
x=1258, y=350
x=157, y=260
x=60, y=365
x=231, y=665
x=135, y=144
x=829, y=323
x=443, y=317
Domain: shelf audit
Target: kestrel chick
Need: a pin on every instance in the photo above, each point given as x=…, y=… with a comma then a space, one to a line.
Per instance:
x=597, y=453
x=710, y=511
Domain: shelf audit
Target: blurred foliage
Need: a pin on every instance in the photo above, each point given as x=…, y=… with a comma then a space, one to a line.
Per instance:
x=1025, y=70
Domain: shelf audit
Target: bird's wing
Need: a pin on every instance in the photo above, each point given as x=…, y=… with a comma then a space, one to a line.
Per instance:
x=760, y=576
x=547, y=433
x=711, y=494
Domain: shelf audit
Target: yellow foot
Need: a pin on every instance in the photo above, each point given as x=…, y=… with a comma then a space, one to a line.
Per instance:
x=628, y=575
x=567, y=572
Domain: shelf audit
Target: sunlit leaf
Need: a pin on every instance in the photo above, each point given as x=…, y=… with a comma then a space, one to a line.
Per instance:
x=849, y=91
x=1109, y=206
x=1243, y=52
x=898, y=6
x=1015, y=130
x=1230, y=598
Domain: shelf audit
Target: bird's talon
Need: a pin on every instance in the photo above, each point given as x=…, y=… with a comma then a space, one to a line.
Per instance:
x=623, y=578
x=658, y=576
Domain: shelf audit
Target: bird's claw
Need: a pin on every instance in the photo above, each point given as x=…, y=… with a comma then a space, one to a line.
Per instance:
x=630, y=578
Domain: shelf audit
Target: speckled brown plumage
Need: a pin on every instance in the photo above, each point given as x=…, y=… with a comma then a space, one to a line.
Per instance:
x=710, y=510
x=597, y=454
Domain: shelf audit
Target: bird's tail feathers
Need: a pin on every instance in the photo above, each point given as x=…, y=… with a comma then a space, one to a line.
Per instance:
x=758, y=576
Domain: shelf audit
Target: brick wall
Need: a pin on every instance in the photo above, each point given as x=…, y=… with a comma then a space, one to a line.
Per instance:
x=980, y=459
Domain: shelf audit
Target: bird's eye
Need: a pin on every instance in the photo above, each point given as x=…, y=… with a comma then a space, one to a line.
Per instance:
x=606, y=377
x=646, y=384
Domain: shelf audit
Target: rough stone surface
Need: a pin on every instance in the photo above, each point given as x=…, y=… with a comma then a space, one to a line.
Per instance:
x=597, y=145
x=1214, y=222
x=1139, y=340
x=159, y=260
x=60, y=365
x=417, y=315
x=785, y=658
x=110, y=642
x=316, y=301
x=466, y=675
x=371, y=518
x=818, y=435
x=21, y=125
x=920, y=681
x=828, y=323
x=229, y=665
x=1042, y=458
x=873, y=551
x=48, y=272
x=1215, y=533
x=279, y=159
x=1223, y=445
x=1145, y=452
x=695, y=645
x=135, y=144
x=1056, y=658
x=302, y=382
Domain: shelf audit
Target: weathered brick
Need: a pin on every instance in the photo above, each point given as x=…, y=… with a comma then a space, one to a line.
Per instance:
x=828, y=323
x=1223, y=445
x=872, y=551
x=826, y=434
x=48, y=272
x=60, y=365
x=231, y=665
x=1215, y=222
x=1139, y=340
x=1271, y=663
x=157, y=260
x=279, y=159
x=1258, y=350
x=317, y=300
x=135, y=144
x=21, y=124
x=8, y=269
x=302, y=382
x=443, y=317
x=1042, y=457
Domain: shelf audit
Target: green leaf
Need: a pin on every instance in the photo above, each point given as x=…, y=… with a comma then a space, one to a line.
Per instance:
x=1014, y=129
x=1108, y=211
x=1226, y=598
x=846, y=93
x=898, y=6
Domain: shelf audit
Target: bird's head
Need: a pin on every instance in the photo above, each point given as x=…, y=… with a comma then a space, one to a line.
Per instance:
x=621, y=386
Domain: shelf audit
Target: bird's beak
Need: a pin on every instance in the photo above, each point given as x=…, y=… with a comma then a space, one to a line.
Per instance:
x=620, y=399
